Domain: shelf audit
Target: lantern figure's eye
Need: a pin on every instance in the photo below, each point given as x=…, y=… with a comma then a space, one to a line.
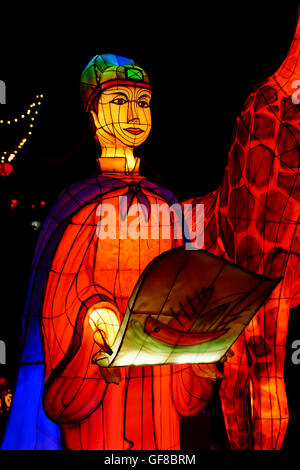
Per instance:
x=119, y=101
x=143, y=104
x=105, y=324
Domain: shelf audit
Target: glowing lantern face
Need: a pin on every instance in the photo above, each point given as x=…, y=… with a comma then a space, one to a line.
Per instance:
x=123, y=117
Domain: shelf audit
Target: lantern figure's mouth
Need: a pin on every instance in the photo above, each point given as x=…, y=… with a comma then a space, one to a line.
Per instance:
x=134, y=130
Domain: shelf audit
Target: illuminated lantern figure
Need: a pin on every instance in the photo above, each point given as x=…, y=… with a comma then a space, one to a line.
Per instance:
x=83, y=275
x=253, y=220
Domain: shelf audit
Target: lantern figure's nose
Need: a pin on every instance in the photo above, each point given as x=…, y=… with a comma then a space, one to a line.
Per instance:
x=132, y=114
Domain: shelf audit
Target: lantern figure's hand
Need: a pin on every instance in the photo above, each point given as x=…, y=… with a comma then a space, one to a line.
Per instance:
x=207, y=371
x=105, y=325
x=229, y=353
x=211, y=371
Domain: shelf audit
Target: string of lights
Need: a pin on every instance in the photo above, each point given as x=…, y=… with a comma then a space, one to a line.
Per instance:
x=31, y=113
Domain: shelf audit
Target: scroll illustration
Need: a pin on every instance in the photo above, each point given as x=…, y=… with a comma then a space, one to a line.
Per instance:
x=187, y=307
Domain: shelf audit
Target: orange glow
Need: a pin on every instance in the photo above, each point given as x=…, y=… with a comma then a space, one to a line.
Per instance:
x=90, y=282
x=105, y=324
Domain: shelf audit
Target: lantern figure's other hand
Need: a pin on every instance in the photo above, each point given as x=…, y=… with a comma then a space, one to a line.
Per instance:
x=105, y=325
x=229, y=353
x=211, y=371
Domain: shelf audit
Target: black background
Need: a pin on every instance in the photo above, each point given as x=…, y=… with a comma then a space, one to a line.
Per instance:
x=202, y=59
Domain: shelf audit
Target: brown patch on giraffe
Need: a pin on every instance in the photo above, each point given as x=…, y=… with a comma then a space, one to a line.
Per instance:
x=288, y=145
x=262, y=369
x=289, y=111
x=296, y=246
x=260, y=166
x=290, y=183
x=236, y=158
x=258, y=346
x=275, y=262
x=291, y=62
x=249, y=253
x=278, y=205
x=249, y=101
x=209, y=205
x=240, y=210
x=210, y=233
x=244, y=128
x=265, y=96
x=224, y=190
x=227, y=235
x=272, y=315
x=274, y=216
x=264, y=127
x=234, y=133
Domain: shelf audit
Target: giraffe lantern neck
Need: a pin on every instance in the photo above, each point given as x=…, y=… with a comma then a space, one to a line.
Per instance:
x=289, y=71
x=263, y=165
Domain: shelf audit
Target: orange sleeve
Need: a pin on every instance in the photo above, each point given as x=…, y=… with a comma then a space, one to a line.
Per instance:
x=74, y=386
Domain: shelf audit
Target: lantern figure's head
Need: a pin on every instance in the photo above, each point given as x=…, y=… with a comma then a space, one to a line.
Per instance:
x=116, y=92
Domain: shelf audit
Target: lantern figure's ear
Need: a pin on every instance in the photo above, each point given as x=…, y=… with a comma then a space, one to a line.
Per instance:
x=94, y=120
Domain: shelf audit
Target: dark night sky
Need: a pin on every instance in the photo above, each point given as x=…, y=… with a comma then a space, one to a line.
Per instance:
x=202, y=65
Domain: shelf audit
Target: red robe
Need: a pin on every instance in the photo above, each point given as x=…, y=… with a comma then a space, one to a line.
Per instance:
x=142, y=411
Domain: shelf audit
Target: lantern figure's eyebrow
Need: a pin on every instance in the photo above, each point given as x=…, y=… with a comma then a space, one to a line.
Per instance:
x=119, y=93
